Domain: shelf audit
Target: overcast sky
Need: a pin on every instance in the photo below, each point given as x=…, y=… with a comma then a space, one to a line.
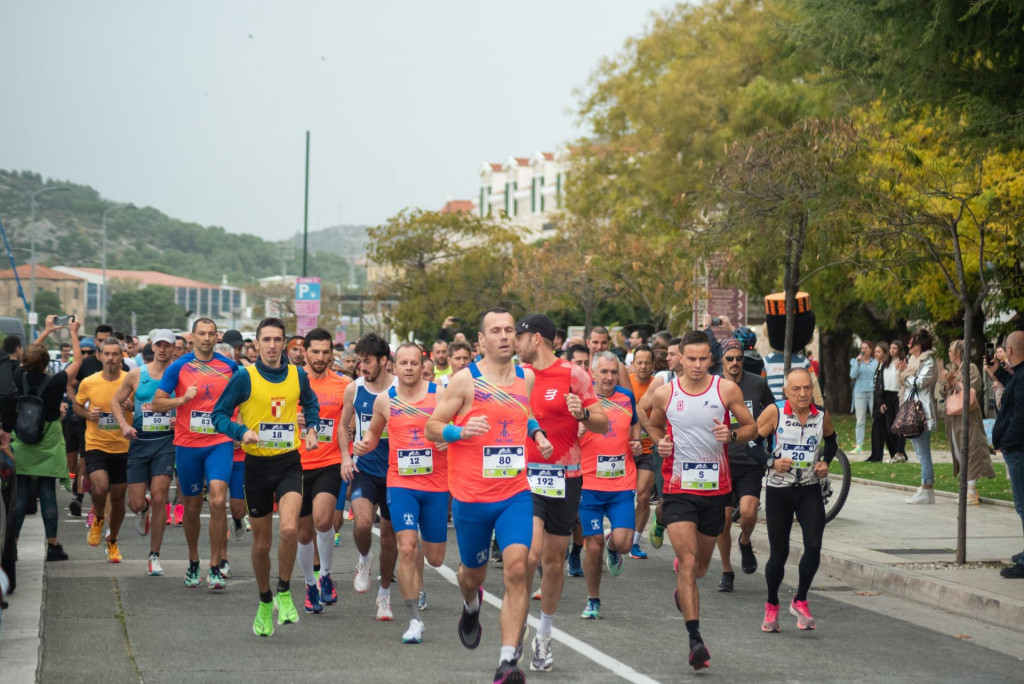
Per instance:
x=200, y=108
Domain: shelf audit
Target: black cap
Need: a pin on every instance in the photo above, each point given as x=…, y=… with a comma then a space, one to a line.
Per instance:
x=232, y=337
x=537, y=323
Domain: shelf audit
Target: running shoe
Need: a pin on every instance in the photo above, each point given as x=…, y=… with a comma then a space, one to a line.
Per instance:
x=592, y=611
x=225, y=568
x=1017, y=557
x=748, y=561
x=423, y=600
x=509, y=673
x=55, y=552
x=328, y=592
x=179, y=513
x=675, y=597
x=237, y=528
x=612, y=559
x=76, y=508
x=142, y=520
x=656, y=534
x=337, y=539
x=727, y=581
x=170, y=515
x=215, y=580
x=700, y=658
x=799, y=610
x=113, y=553
x=91, y=518
x=313, y=604
x=637, y=552
x=264, y=623
x=542, y=658
x=537, y=594
x=153, y=568
x=384, y=613
x=771, y=618
x=285, y=608
x=575, y=567
x=675, y=565
x=248, y=527
x=469, y=624
x=361, y=582
x=192, y=575
x=495, y=552
x=413, y=635
x=95, y=534
x=522, y=639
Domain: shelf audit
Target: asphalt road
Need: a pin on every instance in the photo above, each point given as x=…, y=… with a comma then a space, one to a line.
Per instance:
x=113, y=623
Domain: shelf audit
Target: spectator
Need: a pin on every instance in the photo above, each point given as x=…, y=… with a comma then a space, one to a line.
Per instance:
x=862, y=372
x=918, y=375
x=979, y=463
x=1000, y=363
x=1008, y=433
x=887, y=403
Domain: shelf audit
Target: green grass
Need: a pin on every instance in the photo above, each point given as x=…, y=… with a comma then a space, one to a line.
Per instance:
x=910, y=474
x=846, y=424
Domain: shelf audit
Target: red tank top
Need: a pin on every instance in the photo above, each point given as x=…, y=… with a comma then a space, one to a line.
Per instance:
x=330, y=391
x=548, y=403
x=414, y=462
x=492, y=466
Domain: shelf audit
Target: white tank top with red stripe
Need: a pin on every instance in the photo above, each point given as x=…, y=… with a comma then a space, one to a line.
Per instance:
x=699, y=463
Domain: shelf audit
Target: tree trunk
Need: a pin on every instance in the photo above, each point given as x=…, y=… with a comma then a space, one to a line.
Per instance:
x=833, y=358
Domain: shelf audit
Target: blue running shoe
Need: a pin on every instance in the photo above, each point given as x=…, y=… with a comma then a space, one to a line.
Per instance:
x=328, y=592
x=636, y=552
x=575, y=567
x=313, y=604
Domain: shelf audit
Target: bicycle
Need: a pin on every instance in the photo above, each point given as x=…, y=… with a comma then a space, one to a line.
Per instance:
x=834, y=496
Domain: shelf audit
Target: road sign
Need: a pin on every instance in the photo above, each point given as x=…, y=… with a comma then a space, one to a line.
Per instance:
x=303, y=324
x=307, y=289
x=307, y=307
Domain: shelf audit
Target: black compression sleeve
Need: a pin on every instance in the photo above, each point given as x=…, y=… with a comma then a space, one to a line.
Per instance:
x=831, y=447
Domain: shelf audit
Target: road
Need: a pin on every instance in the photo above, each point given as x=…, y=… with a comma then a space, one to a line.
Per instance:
x=113, y=623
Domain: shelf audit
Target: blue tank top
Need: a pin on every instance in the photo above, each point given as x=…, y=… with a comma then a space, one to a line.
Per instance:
x=374, y=462
x=147, y=424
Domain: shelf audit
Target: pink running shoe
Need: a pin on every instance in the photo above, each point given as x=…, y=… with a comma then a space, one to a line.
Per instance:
x=799, y=610
x=170, y=515
x=771, y=618
x=179, y=513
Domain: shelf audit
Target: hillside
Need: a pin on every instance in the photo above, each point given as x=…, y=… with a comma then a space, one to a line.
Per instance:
x=68, y=226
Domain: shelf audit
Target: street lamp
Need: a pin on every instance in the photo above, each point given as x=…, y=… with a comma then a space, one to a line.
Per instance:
x=32, y=258
x=103, y=290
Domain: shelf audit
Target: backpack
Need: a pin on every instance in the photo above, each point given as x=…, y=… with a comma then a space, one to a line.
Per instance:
x=30, y=424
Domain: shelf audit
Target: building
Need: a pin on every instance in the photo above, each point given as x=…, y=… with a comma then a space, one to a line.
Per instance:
x=529, y=190
x=223, y=303
x=70, y=288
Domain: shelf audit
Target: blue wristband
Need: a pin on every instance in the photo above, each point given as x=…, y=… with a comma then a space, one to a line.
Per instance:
x=532, y=426
x=451, y=433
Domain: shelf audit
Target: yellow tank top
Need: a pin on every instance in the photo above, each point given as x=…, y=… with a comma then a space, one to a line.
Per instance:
x=271, y=412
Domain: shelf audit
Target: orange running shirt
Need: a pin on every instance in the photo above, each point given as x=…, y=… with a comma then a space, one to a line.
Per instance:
x=414, y=462
x=607, y=463
x=329, y=392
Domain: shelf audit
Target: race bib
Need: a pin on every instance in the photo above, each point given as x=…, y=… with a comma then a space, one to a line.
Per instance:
x=415, y=461
x=546, y=480
x=156, y=422
x=802, y=454
x=504, y=461
x=201, y=422
x=276, y=436
x=325, y=432
x=699, y=476
x=611, y=466
x=364, y=426
x=107, y=422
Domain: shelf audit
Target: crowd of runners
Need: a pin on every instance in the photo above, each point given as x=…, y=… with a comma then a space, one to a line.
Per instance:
x=539, y=451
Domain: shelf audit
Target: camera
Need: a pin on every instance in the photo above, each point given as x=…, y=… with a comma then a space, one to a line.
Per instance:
x=61, y=321
x=716, y=321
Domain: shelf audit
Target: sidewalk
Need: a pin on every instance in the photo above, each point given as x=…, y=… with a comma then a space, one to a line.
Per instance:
x=22, y=622
x=880, y=543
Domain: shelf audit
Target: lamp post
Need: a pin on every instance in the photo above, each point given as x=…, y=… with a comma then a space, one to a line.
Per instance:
x=103, y=289
x=32, y=257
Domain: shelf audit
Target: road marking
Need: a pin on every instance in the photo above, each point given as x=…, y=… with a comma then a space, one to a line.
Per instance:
x=584, y=649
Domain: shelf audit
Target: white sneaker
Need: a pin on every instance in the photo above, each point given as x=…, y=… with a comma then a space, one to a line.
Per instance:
x=922, y=496
x=154, y=568
x=384, y=608
x=413, y=635
x=361, y=582
x=542, y=658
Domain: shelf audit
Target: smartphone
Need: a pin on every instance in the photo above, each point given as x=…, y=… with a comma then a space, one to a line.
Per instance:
x=456, y=319
x=990, y=352
x=61, y=321
x=716, y=321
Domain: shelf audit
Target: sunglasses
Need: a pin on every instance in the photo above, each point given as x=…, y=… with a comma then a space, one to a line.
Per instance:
x=732, y=359
x=88, y=352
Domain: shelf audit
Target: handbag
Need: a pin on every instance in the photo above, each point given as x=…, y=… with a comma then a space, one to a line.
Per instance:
x=955, y=401
x=910, y=420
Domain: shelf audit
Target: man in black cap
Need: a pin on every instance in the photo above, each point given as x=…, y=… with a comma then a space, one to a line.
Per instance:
x=234, y=338
x=556, y=482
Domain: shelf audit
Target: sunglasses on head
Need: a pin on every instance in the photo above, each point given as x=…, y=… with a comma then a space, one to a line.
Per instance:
x=732, y=359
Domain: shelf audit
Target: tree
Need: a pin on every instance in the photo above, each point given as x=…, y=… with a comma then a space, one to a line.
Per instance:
x=152, y=305
x=438, y=265
x=47, y=303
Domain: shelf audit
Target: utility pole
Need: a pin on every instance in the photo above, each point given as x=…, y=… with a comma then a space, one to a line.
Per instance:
x=305, y=215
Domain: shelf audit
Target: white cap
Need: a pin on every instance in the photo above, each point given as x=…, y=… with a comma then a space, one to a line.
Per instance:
x=162, y=335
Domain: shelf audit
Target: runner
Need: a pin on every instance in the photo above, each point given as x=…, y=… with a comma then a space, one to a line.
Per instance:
x=197, y=380
x=268, y=395
x=321, y=473
x=562, y=400
x=459, y=356
x=746, y=466
x=151, y=454
x=600, y=340
x=106, y=448
x=367, y=474
x=439, y=357
x=804, y=444
x=696, y=470
x=609, y=481
x=490, y=407
x=640, y=380
x=417, y=478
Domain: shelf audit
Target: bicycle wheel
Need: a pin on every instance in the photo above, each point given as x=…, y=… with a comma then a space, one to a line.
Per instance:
x=836, y=487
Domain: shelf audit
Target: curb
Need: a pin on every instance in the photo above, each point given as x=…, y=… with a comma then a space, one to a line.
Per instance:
x=907, y=488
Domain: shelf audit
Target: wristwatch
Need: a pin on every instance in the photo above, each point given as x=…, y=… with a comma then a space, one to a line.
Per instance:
x=586, y=415
x=732, y=436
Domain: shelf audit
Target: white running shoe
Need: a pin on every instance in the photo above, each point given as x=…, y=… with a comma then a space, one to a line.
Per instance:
x=413, y=635
x=154, y=568
x=361, y=582
x=922, y=496
x=384, y=608
x=542, y=658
